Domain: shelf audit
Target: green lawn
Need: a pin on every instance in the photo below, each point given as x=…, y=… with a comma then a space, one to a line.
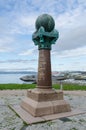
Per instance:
x=67, y=86
x=31, y=86
x=17, y=86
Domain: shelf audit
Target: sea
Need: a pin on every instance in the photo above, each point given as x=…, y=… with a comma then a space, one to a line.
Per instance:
x=14, y=77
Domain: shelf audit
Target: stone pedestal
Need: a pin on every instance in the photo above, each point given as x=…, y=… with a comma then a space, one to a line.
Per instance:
x=44, y=100
x=40, y=102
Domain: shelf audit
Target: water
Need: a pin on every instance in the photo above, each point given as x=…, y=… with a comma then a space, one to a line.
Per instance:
x=13, y=77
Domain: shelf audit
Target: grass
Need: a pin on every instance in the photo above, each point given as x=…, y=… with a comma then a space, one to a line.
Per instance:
x=67, y=86
x=31, y=86
x=16, y=86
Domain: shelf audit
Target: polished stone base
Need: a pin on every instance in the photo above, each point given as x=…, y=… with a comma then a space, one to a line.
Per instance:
x=29, y=119
x=41, y=102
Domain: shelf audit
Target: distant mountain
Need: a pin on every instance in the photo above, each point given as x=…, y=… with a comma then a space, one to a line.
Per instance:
x=18, y=72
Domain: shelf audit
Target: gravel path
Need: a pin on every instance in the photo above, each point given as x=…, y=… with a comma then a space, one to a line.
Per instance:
x=10, y=121
x=23, y=92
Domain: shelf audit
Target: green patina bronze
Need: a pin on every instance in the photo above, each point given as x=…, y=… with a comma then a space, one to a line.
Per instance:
x=45, y=34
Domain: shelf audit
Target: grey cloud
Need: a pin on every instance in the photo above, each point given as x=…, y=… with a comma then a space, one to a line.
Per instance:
x=13, y=61
x=33, y=60
x=74, y=53
x=17, y=61
x=72, y=39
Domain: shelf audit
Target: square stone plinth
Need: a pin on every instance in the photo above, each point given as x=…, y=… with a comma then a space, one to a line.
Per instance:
x=44, y=108
x=29, y=119
x=41, y=102
x=41, y=95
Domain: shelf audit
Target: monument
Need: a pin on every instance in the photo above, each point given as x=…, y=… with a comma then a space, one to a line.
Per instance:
x=44, y=100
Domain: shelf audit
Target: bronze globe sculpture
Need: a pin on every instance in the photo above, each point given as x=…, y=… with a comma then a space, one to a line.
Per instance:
x=45, y=34
x=46, y=21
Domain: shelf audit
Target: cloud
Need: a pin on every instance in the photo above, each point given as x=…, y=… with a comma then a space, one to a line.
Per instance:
x=17, y=61
x=18, y=64
x=5, y=49
x=72, y=39
x=72, y=30
x=17, y=24
x=5, y=44
x=73, y=53
x=5, y=40
x=28, y=52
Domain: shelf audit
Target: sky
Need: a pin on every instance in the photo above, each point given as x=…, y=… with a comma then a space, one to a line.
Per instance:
x=17, y=24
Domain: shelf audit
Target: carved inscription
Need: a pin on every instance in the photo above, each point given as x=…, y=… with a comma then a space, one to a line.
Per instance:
x=42, y=67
